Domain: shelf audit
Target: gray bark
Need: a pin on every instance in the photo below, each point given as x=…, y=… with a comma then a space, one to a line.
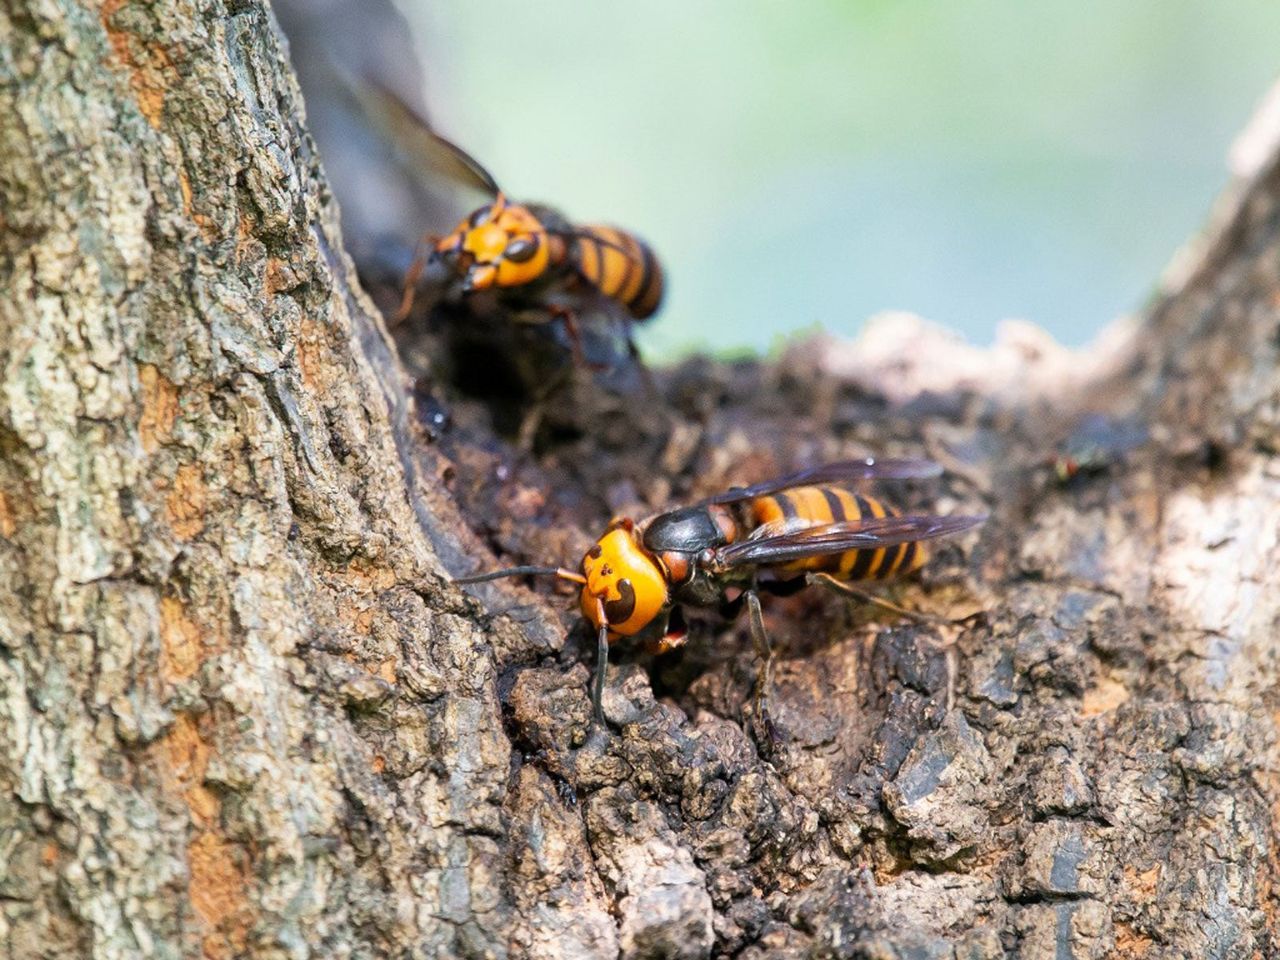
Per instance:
x=240, y=715
x=242, y=712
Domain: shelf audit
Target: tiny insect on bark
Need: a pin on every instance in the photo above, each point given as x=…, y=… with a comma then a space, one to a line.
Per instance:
x=775, y=537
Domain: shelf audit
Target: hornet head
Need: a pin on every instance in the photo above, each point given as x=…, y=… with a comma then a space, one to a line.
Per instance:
x=499, y=245
x=623, y=579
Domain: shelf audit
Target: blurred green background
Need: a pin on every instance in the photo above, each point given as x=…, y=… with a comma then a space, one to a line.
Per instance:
x=797, y=164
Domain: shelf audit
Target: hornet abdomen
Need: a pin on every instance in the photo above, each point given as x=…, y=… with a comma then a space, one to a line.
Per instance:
x=813, y=506
x=621, y=266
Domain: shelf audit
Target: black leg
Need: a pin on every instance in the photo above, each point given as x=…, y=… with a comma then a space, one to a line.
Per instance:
x=602, y=664
x=764, y=677
x=633, y=352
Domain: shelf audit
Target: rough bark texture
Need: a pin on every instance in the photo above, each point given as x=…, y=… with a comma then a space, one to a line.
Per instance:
x=242, y=713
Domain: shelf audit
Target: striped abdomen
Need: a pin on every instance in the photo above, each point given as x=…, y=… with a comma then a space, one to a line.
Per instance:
x=620, y=266
x=802, y=507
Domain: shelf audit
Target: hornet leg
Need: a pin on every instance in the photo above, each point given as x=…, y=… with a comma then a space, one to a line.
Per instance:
x=411, y=277
x=847, y=590
x=764, y=678
x=633, y=352
x=602, y=665
x=673, y=637
x=570, y=322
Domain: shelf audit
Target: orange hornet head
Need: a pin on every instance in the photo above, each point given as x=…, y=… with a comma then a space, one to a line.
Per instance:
x=501, y=245
x=626, y=579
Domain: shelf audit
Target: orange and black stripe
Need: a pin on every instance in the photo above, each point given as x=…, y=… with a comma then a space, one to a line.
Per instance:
x=621, y=266
x=813, y=506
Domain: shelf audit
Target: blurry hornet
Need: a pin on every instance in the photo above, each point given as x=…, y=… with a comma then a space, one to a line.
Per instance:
x=775, y=537
x=530, y=256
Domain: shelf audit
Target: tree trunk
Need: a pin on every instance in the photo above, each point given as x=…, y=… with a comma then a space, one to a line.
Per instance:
x=243, y=712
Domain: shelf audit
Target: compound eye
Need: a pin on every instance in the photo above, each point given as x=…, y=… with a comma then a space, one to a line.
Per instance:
x=620, y=610
x=521, y=249
x=479, y=217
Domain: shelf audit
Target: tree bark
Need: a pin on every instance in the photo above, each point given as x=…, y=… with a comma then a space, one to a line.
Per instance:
x=243, y=712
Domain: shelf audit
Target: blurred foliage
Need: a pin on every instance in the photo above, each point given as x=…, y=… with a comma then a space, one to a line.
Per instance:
x=815, y=163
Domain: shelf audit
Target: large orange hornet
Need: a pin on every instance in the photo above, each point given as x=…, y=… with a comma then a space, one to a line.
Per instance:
x=529, y=255
x=775, y=536
x=529, y=252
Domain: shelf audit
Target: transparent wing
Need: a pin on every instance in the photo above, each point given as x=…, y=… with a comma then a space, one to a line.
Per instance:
x=427, y=150
x=868, y=468
x=866, y=534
